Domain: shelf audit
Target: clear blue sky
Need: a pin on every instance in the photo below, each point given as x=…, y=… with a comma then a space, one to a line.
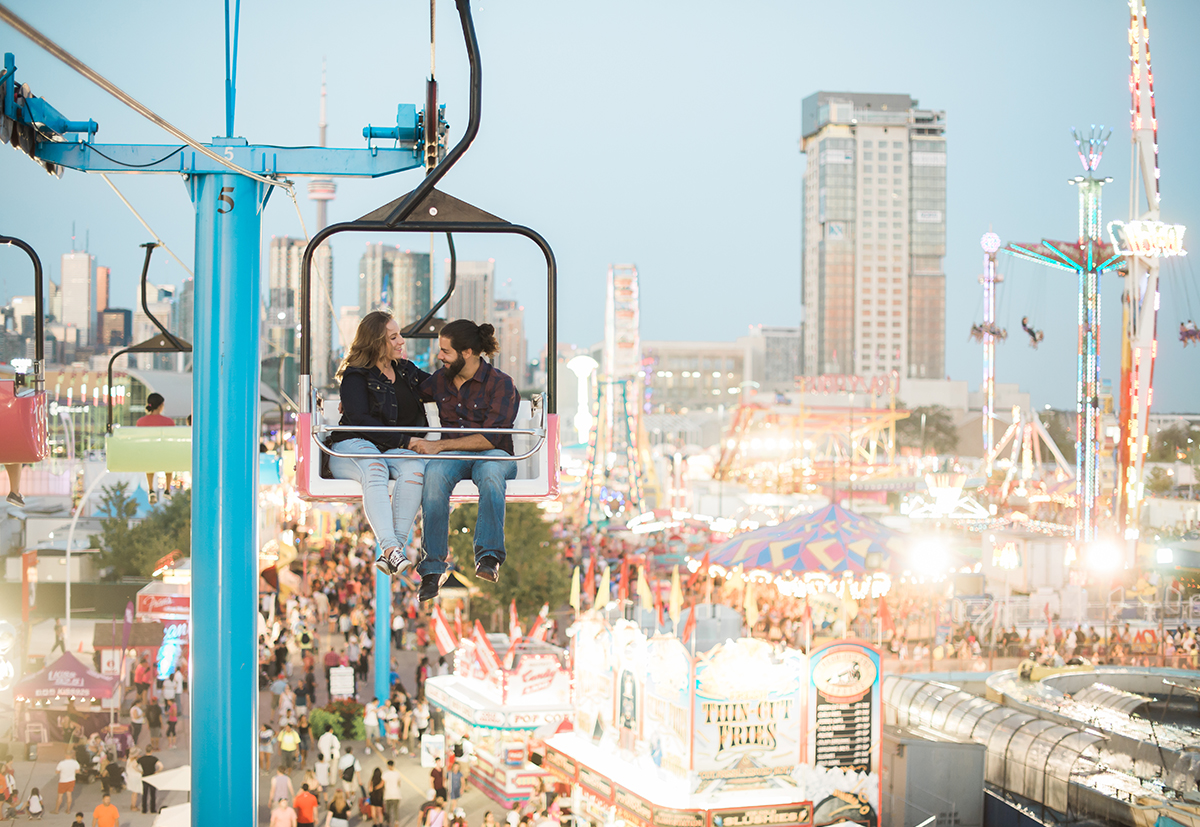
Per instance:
x=664, y=134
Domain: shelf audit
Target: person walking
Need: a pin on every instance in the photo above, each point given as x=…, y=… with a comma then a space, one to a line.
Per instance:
x=283, y=815
x=149, y=764
x=437, y=779
x=304, y=730
x=137, y=718
x=154, y=722
x=339, y=810
x=66, y=769
x=289, y=747
x=105, y=814
x=172, y=720
x=305, y=805
x=60, y=642
x=281, y=785
x=348, y=772
x=133, y=779
x=391, y=794
x=266, y=747
x=375, y=797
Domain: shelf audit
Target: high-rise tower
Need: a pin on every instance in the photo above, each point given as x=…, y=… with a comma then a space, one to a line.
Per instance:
x=79, y=295
x=874, y=206
x=322, y=190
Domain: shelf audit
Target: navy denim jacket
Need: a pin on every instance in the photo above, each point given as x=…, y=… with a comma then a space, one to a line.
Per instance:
x=368, y=398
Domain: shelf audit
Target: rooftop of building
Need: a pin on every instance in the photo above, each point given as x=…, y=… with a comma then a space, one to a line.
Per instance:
x=821, y=108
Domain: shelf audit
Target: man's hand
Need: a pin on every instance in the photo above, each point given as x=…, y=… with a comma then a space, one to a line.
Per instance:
x=424, y=446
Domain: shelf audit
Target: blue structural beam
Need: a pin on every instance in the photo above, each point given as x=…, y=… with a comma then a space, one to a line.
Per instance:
x=383, y=634
x=265, y=160
x=225, y=382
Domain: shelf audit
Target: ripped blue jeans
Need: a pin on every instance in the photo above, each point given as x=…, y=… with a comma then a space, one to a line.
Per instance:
x=392, y=520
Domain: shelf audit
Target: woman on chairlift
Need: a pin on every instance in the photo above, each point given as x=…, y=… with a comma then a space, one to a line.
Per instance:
x=379, y=388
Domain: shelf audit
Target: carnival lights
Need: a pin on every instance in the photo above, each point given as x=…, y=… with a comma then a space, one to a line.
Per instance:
x=991, y=244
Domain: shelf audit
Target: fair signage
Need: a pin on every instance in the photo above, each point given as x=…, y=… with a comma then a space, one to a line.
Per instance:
x=341, y=682
x=1147, y=239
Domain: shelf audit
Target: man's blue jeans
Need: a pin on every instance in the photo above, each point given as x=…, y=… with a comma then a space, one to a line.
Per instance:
x=441, y=475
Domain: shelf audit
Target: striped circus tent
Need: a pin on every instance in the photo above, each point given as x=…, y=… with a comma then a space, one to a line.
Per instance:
x=830, y=540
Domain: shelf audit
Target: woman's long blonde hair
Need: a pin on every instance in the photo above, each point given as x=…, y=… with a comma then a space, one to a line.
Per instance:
x=370, y=342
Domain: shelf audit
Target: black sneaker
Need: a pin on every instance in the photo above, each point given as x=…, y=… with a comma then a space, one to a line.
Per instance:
x=430, y=584
x=488, y=569
x=392, y=561
x=16, y=499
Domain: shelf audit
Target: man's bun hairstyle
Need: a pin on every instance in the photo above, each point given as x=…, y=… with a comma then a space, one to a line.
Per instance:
x=464, y=334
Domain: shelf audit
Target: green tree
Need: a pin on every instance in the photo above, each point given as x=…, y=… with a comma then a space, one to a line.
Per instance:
x=534, y=571
x=132, y=548
x=940, y=436
x=1173, y=443
x=1159, y=482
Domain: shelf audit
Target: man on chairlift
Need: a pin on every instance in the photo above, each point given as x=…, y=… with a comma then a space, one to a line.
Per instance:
x=469, y=392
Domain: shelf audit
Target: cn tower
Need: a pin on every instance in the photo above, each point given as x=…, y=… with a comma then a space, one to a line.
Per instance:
x=322, y=190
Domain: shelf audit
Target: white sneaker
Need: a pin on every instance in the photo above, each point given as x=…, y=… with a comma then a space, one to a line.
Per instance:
x=392, y=561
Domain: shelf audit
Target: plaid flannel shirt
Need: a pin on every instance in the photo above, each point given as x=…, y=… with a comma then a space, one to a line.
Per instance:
x=488, y=399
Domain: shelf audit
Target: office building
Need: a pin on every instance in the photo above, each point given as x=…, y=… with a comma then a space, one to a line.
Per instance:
x=347, y=324
x=79, y=295
x=773, y=358
x=159, y=300
x=394, y=280
x=283, y=323
x=474, y=287
x=874, y=213
x=116, y=328
x=103, y=275
x=691, y=376
x=512, y=358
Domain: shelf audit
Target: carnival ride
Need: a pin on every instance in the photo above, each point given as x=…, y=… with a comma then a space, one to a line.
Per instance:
x=1089, y=258
x=988, y=335
x=1026, y=476
x=1145, y=240
x=798, y=447
x=23, y=398
x=612, y=486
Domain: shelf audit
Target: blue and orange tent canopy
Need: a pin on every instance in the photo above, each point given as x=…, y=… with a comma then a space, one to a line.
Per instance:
x=831, y=539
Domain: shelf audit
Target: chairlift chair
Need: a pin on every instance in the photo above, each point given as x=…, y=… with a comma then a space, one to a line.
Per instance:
x=23, y=398
x=428, y=210
x=153, y=449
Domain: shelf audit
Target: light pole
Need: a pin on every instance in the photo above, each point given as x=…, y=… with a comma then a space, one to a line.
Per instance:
x=850, y=451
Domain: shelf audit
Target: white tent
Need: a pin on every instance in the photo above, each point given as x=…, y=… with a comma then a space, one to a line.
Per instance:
x=177, y=815
x=178, y=778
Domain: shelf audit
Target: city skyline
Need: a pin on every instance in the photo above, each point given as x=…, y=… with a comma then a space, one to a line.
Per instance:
x=1009, y=168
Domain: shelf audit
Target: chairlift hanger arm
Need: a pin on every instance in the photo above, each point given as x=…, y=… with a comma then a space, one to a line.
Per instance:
x=420, y=329
x=39, y=368
x=167, y=343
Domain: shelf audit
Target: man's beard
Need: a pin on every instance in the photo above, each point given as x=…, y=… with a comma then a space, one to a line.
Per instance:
x=455, y=367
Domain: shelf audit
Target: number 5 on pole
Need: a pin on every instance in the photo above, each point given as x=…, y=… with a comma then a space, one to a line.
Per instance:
x=223, y=197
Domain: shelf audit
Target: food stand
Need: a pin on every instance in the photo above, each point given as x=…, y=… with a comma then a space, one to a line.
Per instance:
x=746, y=733
x=61, y=697
x=499, y=705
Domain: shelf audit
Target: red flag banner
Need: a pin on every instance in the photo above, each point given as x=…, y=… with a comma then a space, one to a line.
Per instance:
x=484, y=651
x=439, y=630
x=885, y=617
x=515, y=632
x=458, y=622
x=689, y=626
x=700, y=572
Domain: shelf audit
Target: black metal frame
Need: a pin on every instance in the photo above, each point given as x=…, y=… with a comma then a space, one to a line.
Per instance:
x=440, y=213
x=168, y=342
x=39, y=312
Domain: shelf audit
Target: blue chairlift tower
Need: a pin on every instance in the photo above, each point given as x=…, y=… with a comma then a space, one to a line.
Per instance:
x=229, y=181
